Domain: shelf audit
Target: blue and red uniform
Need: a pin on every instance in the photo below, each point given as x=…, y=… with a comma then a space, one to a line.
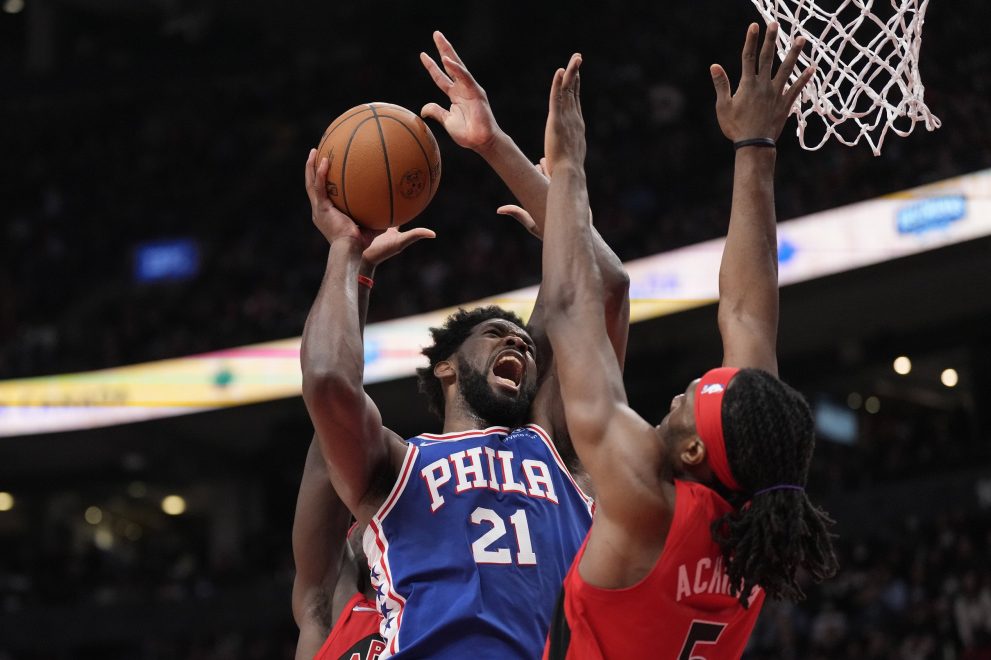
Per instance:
x=681, y=610
x=468, y=551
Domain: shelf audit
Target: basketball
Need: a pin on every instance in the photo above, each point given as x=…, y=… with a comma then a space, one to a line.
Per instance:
x=384, y=164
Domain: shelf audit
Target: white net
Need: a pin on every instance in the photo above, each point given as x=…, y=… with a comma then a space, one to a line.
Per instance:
x=867, y=67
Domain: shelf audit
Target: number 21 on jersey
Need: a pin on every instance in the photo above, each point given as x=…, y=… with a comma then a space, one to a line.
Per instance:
x=480, y=549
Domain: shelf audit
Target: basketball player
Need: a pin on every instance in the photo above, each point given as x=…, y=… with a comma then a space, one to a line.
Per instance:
x=671, y=568
x=332, y=585
x=470, y=531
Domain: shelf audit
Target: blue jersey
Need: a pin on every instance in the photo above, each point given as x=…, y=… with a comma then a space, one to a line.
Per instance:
x=468, y=551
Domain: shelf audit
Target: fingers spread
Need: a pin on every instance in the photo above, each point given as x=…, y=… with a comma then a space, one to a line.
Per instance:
x=792, y=92
x=767, y=50
x=435, y=112
x=445, y=48
x=750, y=52
x=789, y=63
x=457, y=71
x=439, y=77
x=721, y=82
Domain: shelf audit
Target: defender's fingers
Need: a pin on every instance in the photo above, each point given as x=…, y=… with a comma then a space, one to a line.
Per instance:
x=721, y=83
x=444, y=47
x=439, y=77
x=792, y=92
x=789, y=63
x=749, y=57
x=435, y=112
x=568, y=83
x=556, y=88
x=457, y=71
x=767, y=50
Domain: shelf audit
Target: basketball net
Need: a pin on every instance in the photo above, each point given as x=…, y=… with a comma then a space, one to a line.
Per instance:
x=867, y=67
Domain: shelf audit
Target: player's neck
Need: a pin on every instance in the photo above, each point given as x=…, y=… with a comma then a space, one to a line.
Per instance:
x=460, y=417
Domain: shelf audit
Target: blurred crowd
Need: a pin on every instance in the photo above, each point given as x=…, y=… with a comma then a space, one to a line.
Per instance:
x=197, y=125
x=915, y=592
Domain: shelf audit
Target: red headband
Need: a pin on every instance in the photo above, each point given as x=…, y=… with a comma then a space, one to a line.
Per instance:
x=709, y=421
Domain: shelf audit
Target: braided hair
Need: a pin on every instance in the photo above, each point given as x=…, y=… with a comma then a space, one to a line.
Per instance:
x=769, y=440
x=447, y=340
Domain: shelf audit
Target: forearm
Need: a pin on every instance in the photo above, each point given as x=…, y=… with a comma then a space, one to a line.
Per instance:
x=571, y=280
x=332, y=344
x=365, y=269
x=530, y=188
x=748, y=274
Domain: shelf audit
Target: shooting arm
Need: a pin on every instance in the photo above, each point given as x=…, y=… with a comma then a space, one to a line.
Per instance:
x=353, y=442
x=748, y=273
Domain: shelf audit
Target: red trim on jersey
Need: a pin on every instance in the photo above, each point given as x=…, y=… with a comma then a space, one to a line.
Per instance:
x=543, y=435
x=709, y=421
x=380, y=541
x=461, y=435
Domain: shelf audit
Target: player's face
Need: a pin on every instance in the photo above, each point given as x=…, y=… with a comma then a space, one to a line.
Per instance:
x=679, y=423
x=497, y=372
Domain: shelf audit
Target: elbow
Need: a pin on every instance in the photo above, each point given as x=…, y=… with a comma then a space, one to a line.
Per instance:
x=559, y=299
x=617, y=286
x=329, y=385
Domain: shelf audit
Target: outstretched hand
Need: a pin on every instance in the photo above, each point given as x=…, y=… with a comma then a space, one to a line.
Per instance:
x=564, y=136
x=392, y=241
x=470, y=121
x=333, y=224
x=762, y=102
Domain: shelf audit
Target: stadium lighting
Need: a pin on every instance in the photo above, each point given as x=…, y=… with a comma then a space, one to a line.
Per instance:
x=949, y=377
x=103, y=538
x=902, y=365
x=93, y=515
x=173, y=505
x=872, y=405
x=13, y=6
x=854, y=400
x=6, y=501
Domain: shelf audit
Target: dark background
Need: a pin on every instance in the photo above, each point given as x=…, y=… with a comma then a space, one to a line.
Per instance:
x=129, y=122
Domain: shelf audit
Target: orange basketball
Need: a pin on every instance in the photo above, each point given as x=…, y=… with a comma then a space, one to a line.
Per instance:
x=384, y=164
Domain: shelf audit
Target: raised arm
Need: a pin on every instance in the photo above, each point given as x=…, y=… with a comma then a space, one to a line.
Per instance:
x=321, y=519
x=472, y=125
x=617, y=447
x=748, y=274
x=361, y=455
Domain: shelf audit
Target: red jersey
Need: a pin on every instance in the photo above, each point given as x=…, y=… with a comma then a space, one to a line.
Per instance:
x=355, y=635
x=681, y=610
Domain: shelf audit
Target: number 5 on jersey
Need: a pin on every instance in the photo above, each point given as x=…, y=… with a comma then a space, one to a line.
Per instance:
x=701, y=632
x=480, y=548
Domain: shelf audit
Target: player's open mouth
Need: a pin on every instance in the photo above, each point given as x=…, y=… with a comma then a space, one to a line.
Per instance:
x=508, y=369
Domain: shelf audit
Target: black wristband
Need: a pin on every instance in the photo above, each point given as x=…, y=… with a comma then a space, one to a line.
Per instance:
x=754, y=142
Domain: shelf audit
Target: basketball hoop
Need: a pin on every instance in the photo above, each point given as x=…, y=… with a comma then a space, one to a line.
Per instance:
x=867, y=67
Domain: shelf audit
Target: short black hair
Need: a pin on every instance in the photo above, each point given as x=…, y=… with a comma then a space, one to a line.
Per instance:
x=769, y=441
x=448, y=339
